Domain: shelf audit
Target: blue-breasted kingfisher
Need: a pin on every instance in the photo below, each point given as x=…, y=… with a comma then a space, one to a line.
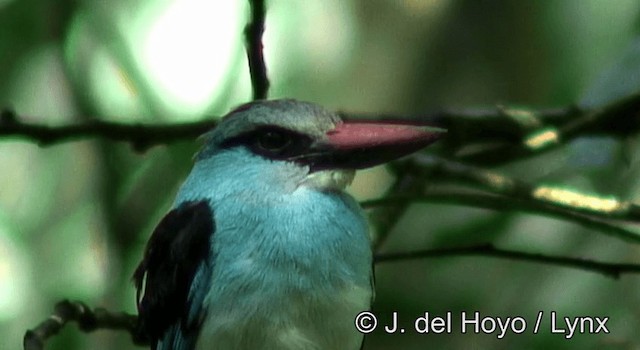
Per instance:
x=263, y=248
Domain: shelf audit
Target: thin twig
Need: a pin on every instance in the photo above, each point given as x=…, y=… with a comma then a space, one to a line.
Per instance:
x=494, y=202
x=255, y=53
x=605, y=207
x=613, y=270
x=88, y=320
x=140, y=136
x=384, y=219
x=617, y=118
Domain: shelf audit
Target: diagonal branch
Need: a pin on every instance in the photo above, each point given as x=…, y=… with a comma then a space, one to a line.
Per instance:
x=604, y=213
x=597, y=206
x=383, y=218
x=88, y=321
x=530, y=132
x=494, y=202
x=255, y=53
x=613, y=270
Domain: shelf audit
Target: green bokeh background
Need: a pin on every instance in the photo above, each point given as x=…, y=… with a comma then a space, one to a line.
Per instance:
x=74, y=217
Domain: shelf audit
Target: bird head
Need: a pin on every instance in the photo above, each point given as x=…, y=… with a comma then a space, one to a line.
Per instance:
x=305, y=144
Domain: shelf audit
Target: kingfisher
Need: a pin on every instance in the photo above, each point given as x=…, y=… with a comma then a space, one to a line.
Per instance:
x=263, y=248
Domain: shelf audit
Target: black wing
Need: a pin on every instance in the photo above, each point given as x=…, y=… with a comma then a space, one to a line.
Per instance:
x=178, y=248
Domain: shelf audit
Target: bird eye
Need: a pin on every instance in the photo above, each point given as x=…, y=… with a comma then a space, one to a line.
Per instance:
x=273, y=141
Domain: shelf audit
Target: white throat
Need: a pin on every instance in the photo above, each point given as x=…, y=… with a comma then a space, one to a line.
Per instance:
x=334, y=179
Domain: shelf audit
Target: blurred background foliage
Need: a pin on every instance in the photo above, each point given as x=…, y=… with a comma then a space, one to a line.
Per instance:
x=74, y=217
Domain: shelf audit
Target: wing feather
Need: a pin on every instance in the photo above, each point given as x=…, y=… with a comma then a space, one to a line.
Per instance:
x=177, y=253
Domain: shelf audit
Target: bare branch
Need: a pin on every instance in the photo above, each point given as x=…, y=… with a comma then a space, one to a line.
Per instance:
x=599, y=206
x=613, y=270
x=383, y=219
x=140, y=136
x=478, y=136
x=88, y=321
x=494, y=202
x=255, y=54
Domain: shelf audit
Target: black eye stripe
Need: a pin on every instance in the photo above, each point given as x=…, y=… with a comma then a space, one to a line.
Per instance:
x=272, y=142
